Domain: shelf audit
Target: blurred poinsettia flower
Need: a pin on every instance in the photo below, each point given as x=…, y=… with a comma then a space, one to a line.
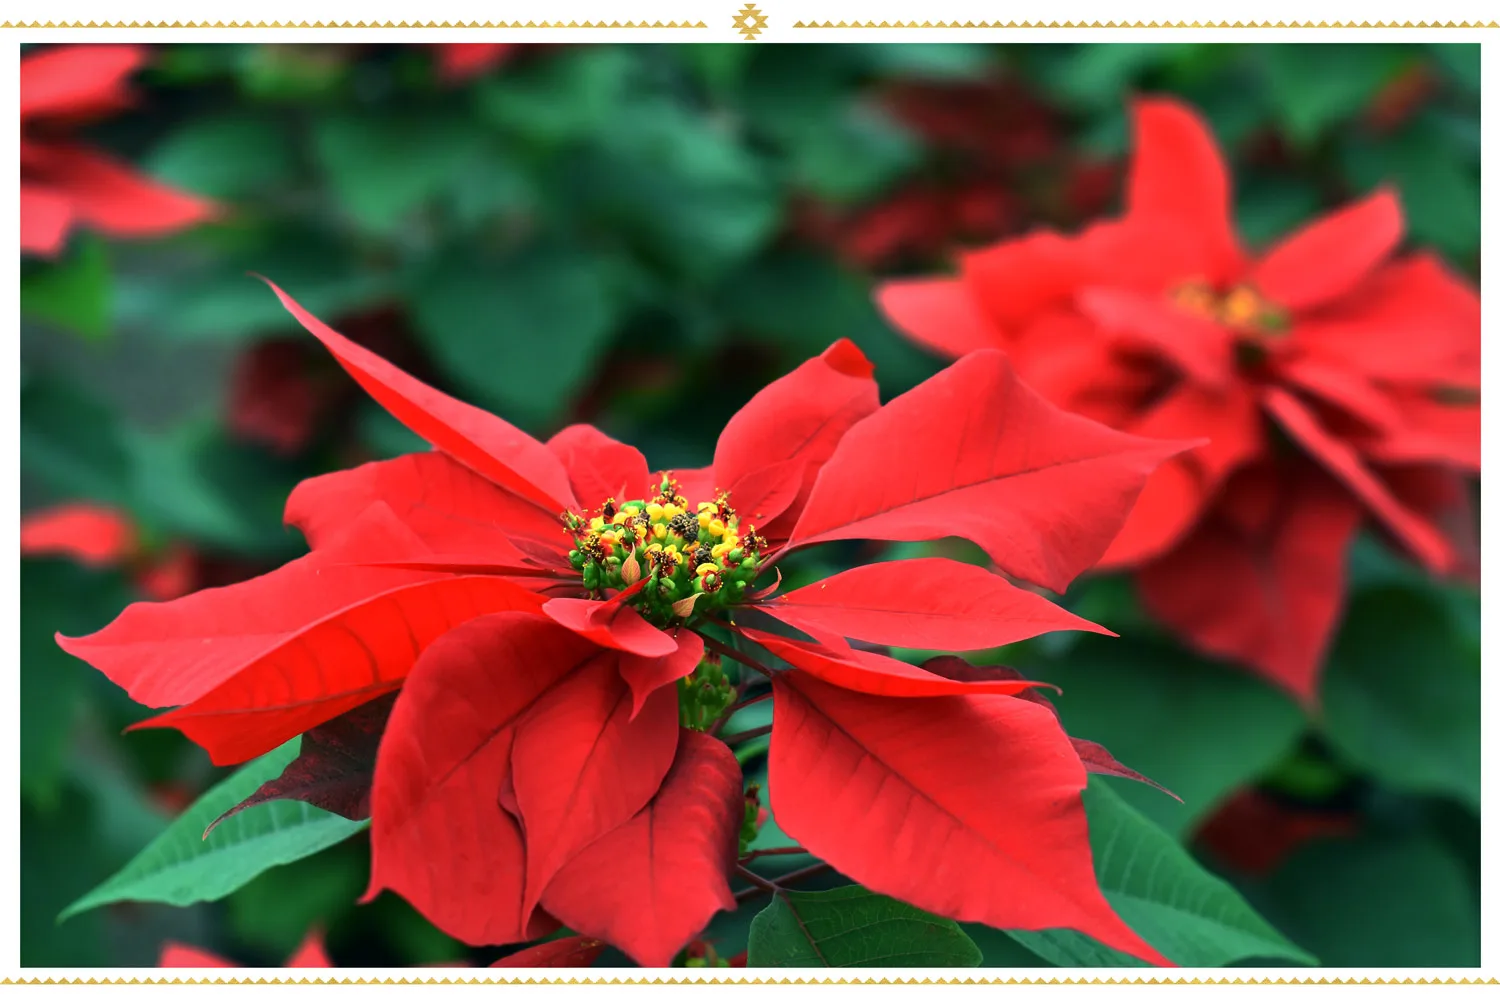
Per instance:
x=542, y=609
x=461, y=62
x=100, y=536
x=999, y=162
x=311, y=954
x=65, y=184
x=1255, y=833
x=1337, y=382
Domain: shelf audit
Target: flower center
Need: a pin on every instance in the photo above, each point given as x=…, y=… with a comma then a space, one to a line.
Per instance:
x=1241, y=307
x=691, y=561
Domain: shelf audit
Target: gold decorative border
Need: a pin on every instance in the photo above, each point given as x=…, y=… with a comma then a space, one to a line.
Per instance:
x=1146, y=24
x=593, y=25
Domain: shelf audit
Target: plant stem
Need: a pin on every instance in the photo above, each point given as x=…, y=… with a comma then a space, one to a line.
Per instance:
x=761, y=884
x=780, y=883
x=724, y=649
x=771, y=851
x=740, y=737
x=734, y=707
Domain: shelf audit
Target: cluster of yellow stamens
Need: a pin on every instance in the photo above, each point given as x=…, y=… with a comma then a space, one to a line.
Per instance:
x=689, y=560
x=1241, y=307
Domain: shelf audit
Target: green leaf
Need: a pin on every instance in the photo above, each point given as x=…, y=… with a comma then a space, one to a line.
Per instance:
x=70, y=443
x=1383, y=900
x=561, y=99
x=1192, y=917
x=853, y=927
x=1437, y=179
x=383, y=167
x=1313, y=87
x=1200, y=727
x=223, y=303
x=522, y=332
x=688, y=194
x=75, y=293
x=225, y=156
x=56, y=596
x=1401, y=695
x=179, y=867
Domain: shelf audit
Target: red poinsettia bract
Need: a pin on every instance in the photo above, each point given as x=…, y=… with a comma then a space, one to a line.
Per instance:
x=64, y=184
x=556, y=618
x=311, y=954
x=1334, y=381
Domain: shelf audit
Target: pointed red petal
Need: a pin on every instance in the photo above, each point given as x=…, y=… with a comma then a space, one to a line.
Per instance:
x=1097, y=760
x=611, y=623
x=449, y=507
x=1202, y=350
x=174, y=652
x=926, y=603
x=582, y=766
x=94, y=534
x=112, y=197
x=438, y=834
x=645, y=675
x=1414, y=322
x=874, y=674
x=181, y=955
x=311, y=954
x=1178, y=491
x=1345, y=389
x=570, y=951
x=1341, y=459
x=1266, y=596
x=45, y=217
x=1327, y=258
x=651, y=885
x=76, y=80
x=334, y=768
x=799, y=417
x=902, y=797
x=1017, y=280
x=598, y=466
x=334, y=665
x=484, y=443
x=940, y=313
x=974, y=453
x=1178, y=179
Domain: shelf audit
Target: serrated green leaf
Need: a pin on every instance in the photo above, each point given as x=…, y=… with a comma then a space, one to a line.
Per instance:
x=854, y=927
x=1190, y=916
x=179, y=867
x=1401, y=695
x=74, y=293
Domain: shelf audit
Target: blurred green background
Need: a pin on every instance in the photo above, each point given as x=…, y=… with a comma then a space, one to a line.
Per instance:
x=641, y=236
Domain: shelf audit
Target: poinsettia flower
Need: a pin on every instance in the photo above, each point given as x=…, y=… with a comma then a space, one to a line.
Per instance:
x=1336, y=382
x=64, y=184
x=460, y=62
x=556, y=619
x=310, y=954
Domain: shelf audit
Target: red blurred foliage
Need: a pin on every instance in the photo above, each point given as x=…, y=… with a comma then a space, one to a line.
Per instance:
x=459, y=63
x=1254, y=833
x=311, y=955
x=1001, y=164
x=64, y=184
